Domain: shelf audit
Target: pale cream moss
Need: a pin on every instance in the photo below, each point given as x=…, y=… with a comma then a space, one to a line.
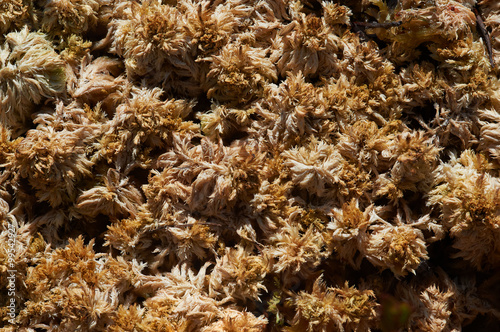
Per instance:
x=156, y=42
x=209, y=178
x=490, y=133
x=136, y=317
x=355, y=234
x=446, y=25
x=7, y=144
x=376, y=97
x=183, y=238
x=346, y=101
x=461, y=55
x=447, y=20
x=348, y=232
x=414, y=157
x=231, y=320
x=125, y=234
x=468, y=198
x=215, y=24
x=331, y=309
x=309, y=217
x=368, y=64
x=336, y=14
x=75, y=287
x=4, y=205
x=66, y=17
x=50, y=224
x=239, y=73
x=306, y=45
x=116, y=198
x=324, y=150
x=400, y=248
x=13, y=13
x=295, y=254
x=321, y=170
x=74, y=49
x=238, y=275
x=466, y=89
x=292, y=113
x=15, y=256
x=180, y=296
x=270, y=204
x=223, y=121
x=141, y=319
x=71, y=117
x=365, y=143
x=141, y=124
x=99, y=81
x=421, y=84
x=52, y=162
x=433, y=302
x=267, y=18
x=194, y=239
x=30, y=72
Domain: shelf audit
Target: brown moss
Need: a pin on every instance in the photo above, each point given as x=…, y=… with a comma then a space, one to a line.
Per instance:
x=224, y=156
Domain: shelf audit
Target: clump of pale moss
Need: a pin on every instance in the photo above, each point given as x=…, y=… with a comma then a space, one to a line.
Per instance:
x=468, y=197
x=30, y=73
x=12, y=14
x=250, y=165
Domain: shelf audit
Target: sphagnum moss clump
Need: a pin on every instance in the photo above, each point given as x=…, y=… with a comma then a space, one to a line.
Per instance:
x=257, y=165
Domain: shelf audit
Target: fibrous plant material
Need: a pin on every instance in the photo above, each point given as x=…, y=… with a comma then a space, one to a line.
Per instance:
x=249, y=165
x=30, y=72
x=12, y=14
x=469, y=198
x=239, y=70
x=52, y=162
x=327, y=309
x=65, y=17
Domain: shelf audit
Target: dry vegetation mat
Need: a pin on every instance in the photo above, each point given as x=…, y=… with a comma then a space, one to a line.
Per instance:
x=249, y=165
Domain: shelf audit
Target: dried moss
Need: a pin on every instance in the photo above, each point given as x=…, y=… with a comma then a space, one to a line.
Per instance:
x=249, y=165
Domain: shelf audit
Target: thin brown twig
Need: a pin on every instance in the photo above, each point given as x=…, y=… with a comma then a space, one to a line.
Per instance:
x=485, y=35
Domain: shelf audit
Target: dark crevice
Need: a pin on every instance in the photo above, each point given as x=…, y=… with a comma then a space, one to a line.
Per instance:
x=423, y=114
